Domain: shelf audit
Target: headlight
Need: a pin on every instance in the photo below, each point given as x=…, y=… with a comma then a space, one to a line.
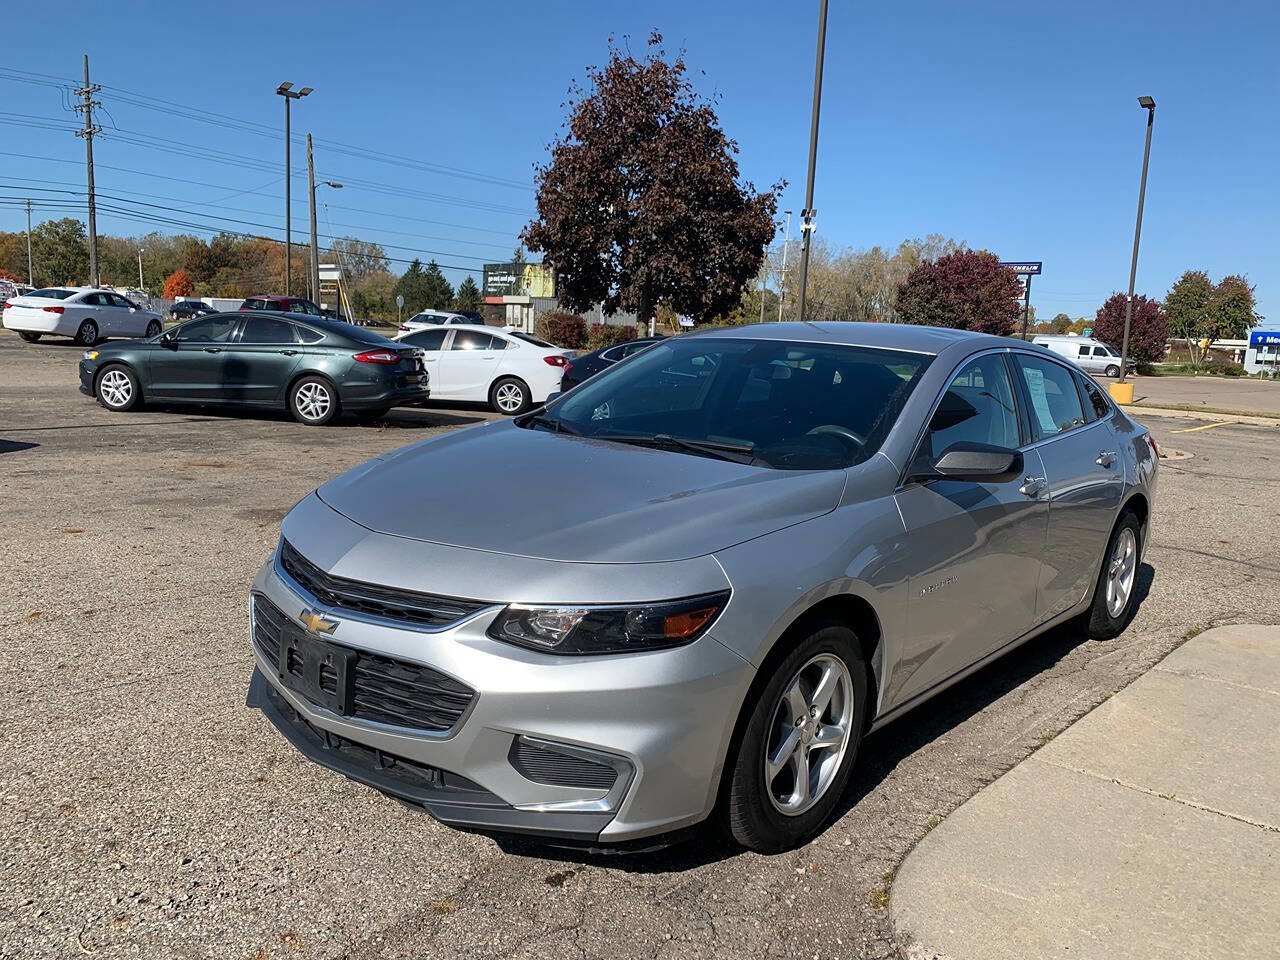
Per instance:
x=91, y=355
x=581, y=630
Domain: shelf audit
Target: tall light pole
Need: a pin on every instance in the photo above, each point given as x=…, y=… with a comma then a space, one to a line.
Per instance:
x=782, y=284
x=286, y=90
x=315, y=245
x=31, y=275
x=141, y=286
x=808, y=213
x=1148, y=104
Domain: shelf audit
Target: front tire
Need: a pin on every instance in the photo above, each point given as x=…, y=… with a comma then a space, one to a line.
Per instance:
x=313, y=401
x=1113, y=597
x=509, y=396
x=87, y=335
x=29, y=336
x=118, y=389
x=800, y=742
x=1112, y=371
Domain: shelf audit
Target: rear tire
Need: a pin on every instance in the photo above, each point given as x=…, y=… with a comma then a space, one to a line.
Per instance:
x=1113, y=596
x=117, y=388
x=1112, y=371
x=766, y=808
x=153, y=329
x=313, y=401
x=29, y=336
x=87, y=335
x=509, y=396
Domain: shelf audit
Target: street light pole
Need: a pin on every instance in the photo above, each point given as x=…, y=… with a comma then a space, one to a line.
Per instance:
x=808, y=213
x=782, y=284
x=141, y=285
x=315, y=244
x=286, y=90
x=1148, y=104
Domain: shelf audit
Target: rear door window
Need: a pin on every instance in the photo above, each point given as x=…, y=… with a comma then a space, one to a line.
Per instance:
x=427, y=339
x=1055, y=405
x=266, y=330
x=471, y=340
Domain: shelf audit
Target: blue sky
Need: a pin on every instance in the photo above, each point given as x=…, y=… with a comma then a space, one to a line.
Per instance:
x=1013, y=127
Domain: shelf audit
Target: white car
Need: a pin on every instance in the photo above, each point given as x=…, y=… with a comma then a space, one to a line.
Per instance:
x=510, y=371
x=438, y=318
x=1090, y=355
x=86, y=314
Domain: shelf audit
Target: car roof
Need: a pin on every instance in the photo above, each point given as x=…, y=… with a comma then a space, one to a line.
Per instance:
x=892, y=336
x=272, y=297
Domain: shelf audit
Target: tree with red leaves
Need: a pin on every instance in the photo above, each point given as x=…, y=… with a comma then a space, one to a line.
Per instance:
x=966, y=290
x=178, y=284
x=1148, y=329
x=640, y=204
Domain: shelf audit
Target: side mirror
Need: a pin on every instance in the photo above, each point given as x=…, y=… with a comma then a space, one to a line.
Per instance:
x=977, y=462
x=167, y=340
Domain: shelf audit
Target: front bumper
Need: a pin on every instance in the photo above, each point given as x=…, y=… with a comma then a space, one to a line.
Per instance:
x=88, y=370
x=666, y=716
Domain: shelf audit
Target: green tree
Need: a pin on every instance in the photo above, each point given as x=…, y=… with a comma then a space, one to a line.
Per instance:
x=1187, y=306
x=641, y=204
x=1060, y=324
x=468, y=296
x=1231, y=309
x=60, y=252
x=439, y=291
x=424, y=288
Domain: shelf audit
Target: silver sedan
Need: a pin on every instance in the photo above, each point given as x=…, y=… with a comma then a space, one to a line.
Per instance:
x=687, y=589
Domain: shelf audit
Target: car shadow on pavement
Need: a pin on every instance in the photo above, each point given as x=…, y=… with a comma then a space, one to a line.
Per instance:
x=13, y=446
x=401, y=418
x=879, y=755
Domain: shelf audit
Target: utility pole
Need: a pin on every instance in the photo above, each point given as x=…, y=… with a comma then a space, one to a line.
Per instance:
x=141, y=284
x=315, y=252
x=86, y=105
x=286, y=90
x=782, y=284
x=808, y=213
x=31, y=281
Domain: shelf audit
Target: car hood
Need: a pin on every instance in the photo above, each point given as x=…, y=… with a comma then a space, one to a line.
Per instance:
x=531, y=493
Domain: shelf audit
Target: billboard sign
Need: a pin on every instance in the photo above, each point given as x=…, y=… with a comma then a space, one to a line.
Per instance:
x=519, y=280
x=1025, y=268
x=1260, y=338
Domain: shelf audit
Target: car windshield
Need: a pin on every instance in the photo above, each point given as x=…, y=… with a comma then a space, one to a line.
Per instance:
x=52, y=293
x=776, y=403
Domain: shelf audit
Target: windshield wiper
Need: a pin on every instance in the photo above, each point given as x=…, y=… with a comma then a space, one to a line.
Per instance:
x=555, y=425
x=720, y=449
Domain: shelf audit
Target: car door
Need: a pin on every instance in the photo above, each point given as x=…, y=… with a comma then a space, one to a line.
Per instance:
x=189, y=363
x=257, y=364
x=1084, y=478
x=97, y=307
x=431, y=342
x=974, y=546
x=130, y=319
x=468, y=366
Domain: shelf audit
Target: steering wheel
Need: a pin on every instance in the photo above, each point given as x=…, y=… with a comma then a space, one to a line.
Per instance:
x=839, y=431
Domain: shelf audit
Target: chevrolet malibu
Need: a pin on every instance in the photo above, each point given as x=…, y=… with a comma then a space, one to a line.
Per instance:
x=686, y=590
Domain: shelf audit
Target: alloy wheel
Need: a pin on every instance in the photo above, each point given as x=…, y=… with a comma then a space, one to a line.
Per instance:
x=1120, y=572
x=88, y=333
x=808, y=735
x=115, y=388
x=313, y=400
x=509, y=397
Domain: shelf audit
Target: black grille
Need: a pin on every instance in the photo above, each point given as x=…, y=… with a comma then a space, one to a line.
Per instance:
x=424, y=609
x=383, y=689
x=541, y=765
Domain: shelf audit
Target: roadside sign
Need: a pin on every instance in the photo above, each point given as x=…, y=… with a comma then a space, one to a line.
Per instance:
x=399, y=301
x=1025, y=267
x=686, y=321
x=1086, y=332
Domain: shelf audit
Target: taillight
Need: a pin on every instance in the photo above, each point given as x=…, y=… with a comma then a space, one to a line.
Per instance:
x=402, y=328
x=568, y=367
x=556, y=361
x=1154, y=449
x=378, y=356
x=53, y=309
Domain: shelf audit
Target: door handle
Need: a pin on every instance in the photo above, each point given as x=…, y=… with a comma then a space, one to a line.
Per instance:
x=290, y=353
x=1106, y=458
x=212, y=349
x=1031, y=486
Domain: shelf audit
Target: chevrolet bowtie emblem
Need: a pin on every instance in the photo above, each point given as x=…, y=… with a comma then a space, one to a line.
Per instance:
x=317, y=622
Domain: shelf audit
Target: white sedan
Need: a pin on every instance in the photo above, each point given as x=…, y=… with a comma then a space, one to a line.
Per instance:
x=86, y=314
x=508, y=370
x=438, y=318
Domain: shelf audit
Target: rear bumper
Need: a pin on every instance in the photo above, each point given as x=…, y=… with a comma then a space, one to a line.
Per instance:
x=31, y=320
x=371, y=396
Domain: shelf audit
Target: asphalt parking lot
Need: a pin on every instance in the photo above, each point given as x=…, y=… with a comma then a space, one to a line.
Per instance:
x=145, y=812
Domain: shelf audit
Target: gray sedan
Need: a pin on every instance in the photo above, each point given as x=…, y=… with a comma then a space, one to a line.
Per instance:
x=686, y=590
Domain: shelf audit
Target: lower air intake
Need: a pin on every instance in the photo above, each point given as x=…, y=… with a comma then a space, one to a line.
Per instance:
x=547, y=765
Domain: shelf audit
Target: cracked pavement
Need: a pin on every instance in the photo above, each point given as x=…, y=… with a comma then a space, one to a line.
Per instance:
x=145, y=812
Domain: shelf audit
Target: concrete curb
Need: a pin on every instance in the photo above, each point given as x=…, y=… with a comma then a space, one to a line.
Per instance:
x=1139, y=411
